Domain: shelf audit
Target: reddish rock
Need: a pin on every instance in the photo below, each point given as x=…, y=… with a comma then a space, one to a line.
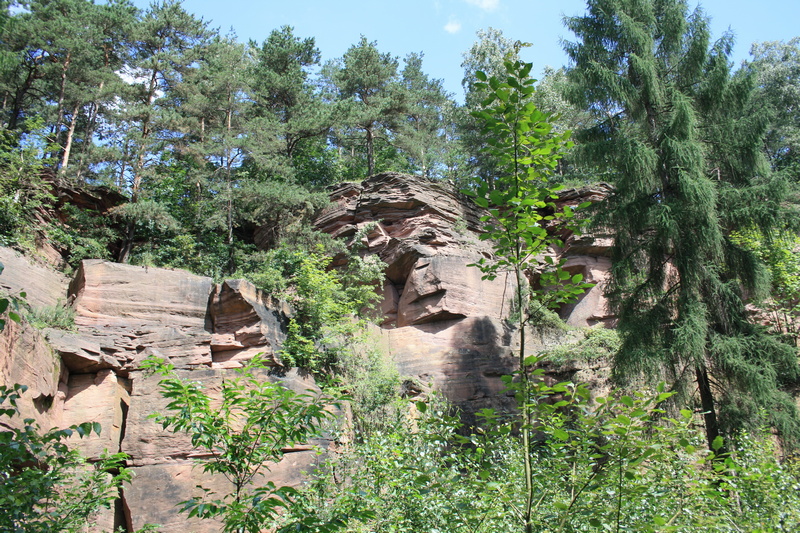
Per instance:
x=130, y=309
x=164, y=470
x=156, y=490
x=442, y=287
x=147, y=443
x=42, y=285
x=103, y=398
x=27, y=359
x=442, y=322
x=245, y=322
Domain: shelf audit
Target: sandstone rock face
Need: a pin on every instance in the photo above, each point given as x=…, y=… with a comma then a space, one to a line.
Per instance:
x=123, y=314
x=103, y=397
x=26, y=358
x=43, y=286
x=444, y=326
x=163, y=462
x=245, y=322
x=128, y=310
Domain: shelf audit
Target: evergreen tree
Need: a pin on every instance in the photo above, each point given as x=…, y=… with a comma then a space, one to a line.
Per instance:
x=168, y=44
x=664, y=100
x=777, y=65
x=367, y=79
x=291, y=117
x=420, y=135
x=216, y=103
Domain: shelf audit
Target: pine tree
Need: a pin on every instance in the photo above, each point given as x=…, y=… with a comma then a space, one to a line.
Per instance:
x=367, y=79
x=168, y=44
x=672, y=127
x=420, y=135
x=290, y=114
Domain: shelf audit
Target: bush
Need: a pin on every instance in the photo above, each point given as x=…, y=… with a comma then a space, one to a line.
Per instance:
x=597, y=343
x=44, y=485
x=59, y=316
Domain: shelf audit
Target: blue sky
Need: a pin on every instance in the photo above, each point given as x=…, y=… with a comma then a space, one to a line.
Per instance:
x=444, y=29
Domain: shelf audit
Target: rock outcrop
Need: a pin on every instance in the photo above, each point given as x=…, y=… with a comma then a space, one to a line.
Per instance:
x=439, y=321
x=124, y=313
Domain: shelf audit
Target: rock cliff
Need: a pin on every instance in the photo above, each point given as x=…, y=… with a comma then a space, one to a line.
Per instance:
x=439, y=322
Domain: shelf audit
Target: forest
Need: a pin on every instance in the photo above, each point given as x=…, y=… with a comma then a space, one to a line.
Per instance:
x=214, y=155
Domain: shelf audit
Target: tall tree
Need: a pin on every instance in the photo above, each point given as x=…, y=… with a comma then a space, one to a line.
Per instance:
x=290, y=114
x=168, y=44
x=777, y=65
x=114, y=22
x=367, y=79
x=215, y=100
x=421, y=135
x=486, y=55
x=664, y=99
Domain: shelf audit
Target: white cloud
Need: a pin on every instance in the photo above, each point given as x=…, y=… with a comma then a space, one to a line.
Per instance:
x=486, y=5
x=453, y=26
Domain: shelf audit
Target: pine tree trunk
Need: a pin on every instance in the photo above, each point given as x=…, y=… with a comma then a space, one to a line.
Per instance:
x=707, y=404
x=70, y=136
x=370, y=152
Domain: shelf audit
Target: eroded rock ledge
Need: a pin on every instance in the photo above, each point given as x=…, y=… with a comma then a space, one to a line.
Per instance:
x=440, y=323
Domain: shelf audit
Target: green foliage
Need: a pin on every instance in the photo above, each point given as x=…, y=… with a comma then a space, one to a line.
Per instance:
x=44, y=485
x=597, y=343
x=780, y=254
x=326, y=305
x=677, y=131
x=83, y=235
x=59, y=316
x=777, y=66
x=616, y=463
x=22, y=189
x=255, y=420
x=525, y=150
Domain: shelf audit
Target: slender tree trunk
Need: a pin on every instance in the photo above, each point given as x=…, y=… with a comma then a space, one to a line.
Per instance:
x=91, y=122
x=56, y=131
x=70, y=136
x=707, y=404
x=526, y=408
x=127, y=246
x=370, y=152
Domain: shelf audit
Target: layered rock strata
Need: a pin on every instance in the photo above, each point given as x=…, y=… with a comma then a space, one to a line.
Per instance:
x=123, y=314
x=441, y=323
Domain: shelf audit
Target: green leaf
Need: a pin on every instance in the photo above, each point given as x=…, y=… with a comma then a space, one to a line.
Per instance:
x=560, y=434
x=718, y=443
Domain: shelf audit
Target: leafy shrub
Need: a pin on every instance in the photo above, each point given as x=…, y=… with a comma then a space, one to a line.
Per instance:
x=619, y=464
x=327, y=304
x=59, y=316
x=247, y=431
x=597, y=343
x=44, y=485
